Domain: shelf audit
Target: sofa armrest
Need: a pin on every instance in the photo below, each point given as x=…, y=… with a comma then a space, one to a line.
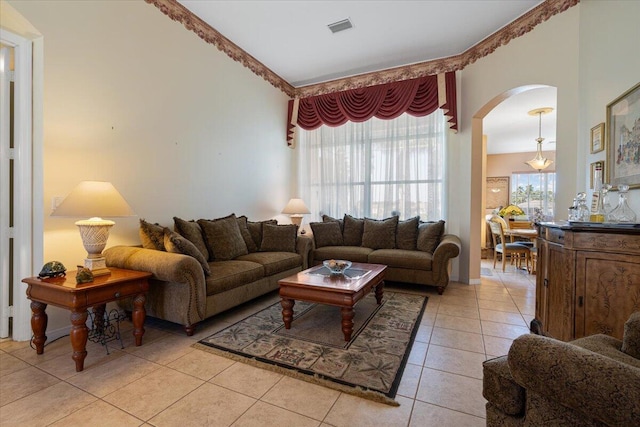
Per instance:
x=589, y=383
x=303, y=247
x=168, y=267
x=448, y=248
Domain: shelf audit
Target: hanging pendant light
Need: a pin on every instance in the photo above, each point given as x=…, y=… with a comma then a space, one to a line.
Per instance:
x=539, y=162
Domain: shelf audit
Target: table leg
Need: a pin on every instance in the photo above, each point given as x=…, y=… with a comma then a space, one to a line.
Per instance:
x=137, y=316
x=79, y=333
x=287, y=311
x=379, y=292
x=39, y=321
x=347, y=322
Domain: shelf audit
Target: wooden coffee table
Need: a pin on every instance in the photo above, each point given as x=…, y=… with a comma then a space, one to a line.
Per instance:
x=338, y=290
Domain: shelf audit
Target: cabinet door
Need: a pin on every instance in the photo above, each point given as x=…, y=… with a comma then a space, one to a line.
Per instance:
x=541, y=282
x=560, y=292
x=608, y=291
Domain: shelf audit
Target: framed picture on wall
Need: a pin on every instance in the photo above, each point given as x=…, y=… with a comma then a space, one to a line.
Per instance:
x=593, y=172
x=597, y=138
x=498, y=190
x=623, y=133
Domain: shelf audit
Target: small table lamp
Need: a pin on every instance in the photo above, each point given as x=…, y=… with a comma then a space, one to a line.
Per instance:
x=94, y=199
x=296, y=208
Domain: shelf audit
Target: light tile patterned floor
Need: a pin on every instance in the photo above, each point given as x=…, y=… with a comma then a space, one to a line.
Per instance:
x=166, y=382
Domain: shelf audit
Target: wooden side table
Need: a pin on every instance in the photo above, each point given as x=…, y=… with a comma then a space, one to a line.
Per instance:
x=63, y=292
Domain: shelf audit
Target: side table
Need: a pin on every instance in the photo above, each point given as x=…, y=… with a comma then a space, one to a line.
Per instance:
x=63, y=292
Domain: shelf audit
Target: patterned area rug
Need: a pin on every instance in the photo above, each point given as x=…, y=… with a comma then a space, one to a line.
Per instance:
x=369, y=365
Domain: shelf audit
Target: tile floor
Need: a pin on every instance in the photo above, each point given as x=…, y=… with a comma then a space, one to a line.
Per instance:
x=166, y=382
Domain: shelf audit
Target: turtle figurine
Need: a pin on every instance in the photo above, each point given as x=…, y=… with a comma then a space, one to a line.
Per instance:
x=84, y=275
x=52, y=269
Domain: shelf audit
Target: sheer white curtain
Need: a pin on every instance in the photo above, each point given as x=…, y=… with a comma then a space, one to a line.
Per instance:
x=376, y=168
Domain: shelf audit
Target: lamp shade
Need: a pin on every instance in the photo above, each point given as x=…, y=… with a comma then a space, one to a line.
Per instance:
x=94, y=199
x=296, y=207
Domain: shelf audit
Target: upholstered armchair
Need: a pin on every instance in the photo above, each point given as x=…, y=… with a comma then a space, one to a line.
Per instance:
x=592, y=381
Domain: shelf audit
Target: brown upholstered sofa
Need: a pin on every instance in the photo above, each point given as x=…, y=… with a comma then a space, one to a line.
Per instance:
x=205, y=267
x=592, y=381
x=414, y=251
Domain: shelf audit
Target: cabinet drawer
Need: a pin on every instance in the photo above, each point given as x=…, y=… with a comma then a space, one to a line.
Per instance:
x=607, y=242
x=112, y=293
x=553, y=235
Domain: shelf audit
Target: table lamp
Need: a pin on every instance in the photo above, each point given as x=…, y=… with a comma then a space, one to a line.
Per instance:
x=94, y=199
x=296, y=208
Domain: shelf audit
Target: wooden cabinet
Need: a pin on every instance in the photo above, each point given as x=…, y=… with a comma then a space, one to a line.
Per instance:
x=588, y=279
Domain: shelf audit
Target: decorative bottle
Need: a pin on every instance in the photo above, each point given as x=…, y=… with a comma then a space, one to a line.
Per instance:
x=622, y=212
x=582, y=212
x=597, y=207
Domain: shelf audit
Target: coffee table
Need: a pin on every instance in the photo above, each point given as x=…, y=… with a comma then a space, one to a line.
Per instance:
x=316, y=285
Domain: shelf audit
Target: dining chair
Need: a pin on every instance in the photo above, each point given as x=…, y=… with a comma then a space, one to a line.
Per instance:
x=503, y=247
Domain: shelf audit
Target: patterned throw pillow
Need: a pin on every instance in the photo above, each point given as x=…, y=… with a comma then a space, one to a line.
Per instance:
x=246, y=235
x=407, y=234
x=191, y=231
x=353, y=228
x=223, y=238
x=255, y=229
x=429, y=235
x=151, y=235
x=326, y=234
x=279, y=238
x=178, y=244
x=327, y=218
x=631, y=337
x=380, y=234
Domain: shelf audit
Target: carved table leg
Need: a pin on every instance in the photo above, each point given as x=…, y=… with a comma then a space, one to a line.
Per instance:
x=347, y=322
x=79, y=333
x=39, y=321
x=137, y=316
x=287, y=311
x=379, y=292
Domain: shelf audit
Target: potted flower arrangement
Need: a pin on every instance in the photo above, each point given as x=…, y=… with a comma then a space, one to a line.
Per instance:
x=511, y=210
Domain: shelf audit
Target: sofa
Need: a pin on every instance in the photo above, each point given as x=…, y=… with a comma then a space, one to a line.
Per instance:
x=204, y=267
x=592, y=381
x=414, y=251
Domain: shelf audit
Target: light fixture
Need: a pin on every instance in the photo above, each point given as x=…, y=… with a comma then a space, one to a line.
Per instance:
x=296, y=208
x=538, y=162
x=94, y=199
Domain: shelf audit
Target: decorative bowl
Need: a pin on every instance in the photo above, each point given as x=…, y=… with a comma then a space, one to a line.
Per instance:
x=337, y=266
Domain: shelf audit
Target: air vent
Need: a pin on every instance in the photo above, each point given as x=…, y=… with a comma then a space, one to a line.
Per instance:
x=336, y=27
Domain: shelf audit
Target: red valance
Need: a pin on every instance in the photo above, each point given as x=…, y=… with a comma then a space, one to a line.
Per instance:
x=418, y=97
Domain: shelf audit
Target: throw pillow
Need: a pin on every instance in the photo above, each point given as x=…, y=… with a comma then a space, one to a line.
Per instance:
x=407, y=234
x=326, y=234
x=429, y=234
x=177, y=244
x=246, y=235
x=255, y=229
x=380, y=234
x=353, y=228
x=223, y=238
x=631, y=337
x=191, y=231
x=151, y=235
x=327, y=218
x=279, y=238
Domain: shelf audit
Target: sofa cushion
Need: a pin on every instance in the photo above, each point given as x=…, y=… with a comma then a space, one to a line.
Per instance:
x=326, y=234
x=151, y=235
x=273, y=262
x=351, y=253
x=499, y=387
x=191, y=231
x=607, y=346
x=255, y=229
x=402, y=258
x=226, y=275
x=631, y=338
x=279, y=238
x=380, y=234
x=223, y=238
x=407, y=234
x=246, y=235
x=353, y=228
x=429, y=235
x=327, y=218
x=175, y=243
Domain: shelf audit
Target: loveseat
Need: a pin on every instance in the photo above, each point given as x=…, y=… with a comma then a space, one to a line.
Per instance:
x=413, y=251
x=592, y=381
x=204, y=267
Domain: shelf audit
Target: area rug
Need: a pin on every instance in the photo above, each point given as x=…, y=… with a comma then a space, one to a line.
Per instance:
x=370, y=365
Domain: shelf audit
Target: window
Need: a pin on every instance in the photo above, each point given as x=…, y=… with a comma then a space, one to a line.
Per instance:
x=376, y=168
x=534, y=190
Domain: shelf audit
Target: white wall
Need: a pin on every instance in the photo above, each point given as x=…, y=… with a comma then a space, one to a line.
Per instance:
x=180, y=129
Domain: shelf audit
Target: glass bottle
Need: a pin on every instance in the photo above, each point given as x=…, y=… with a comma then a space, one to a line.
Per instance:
x=582, y=212
x=573, y=210
x=622, y=212
x=597, y=208
x=606, y=200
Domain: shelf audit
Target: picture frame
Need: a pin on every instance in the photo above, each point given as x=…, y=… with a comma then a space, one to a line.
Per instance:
x=593, y=172
x=497, y=193
x=623, y=124
x=597, y=138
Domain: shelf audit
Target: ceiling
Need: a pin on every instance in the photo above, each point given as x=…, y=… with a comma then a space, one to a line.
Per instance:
x=292, y=39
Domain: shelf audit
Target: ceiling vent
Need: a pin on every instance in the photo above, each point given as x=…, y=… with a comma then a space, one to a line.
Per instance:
x=336, y=27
